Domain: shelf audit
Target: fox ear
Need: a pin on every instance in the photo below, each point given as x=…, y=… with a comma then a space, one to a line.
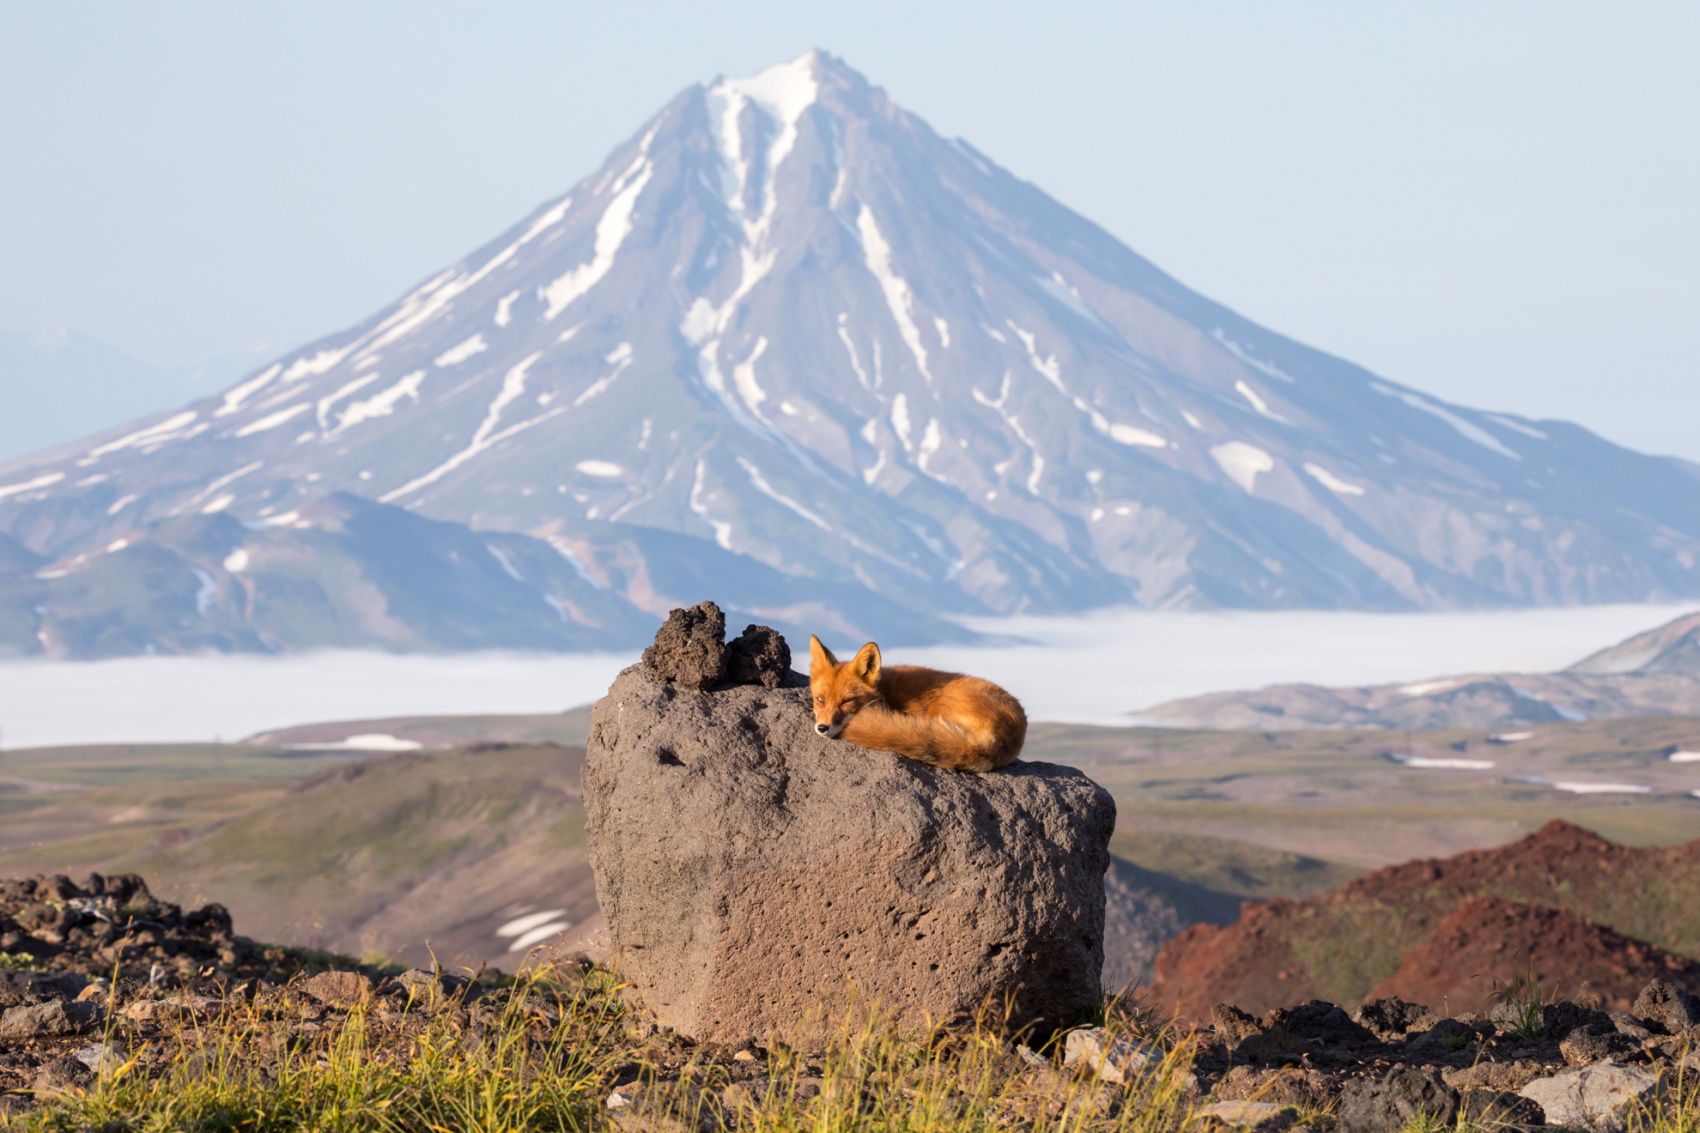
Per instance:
x=866, y=664
x=819, y=655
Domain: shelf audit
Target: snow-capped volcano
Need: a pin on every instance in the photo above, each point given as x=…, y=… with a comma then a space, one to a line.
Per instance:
x=788, y=320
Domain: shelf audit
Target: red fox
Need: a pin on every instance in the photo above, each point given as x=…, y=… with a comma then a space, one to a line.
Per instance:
x=946, y=719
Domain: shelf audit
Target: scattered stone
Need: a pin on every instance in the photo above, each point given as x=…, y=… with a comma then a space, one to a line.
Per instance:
x=1559, y=1019
x=1587, y=1045
x=1512, y=1075
x=1628, y=1024
x=1321, y=1021
x=1307, y=1089
x=101, y=1058
x=183, y=1007
x=55, y=1017
x=690, y=648
x=760, y=656
x=1233, y=1026
x=1664, y=1003
x=1443, y=1038
x=338, y=987
x=1114, y=1058
x=1514, y=1018
x=1393, y=1017
x=1596, y=1098
x=807, y=867
x=1032, y=1057
x=65, y=1074
x=1388, y=1105
x=1273, y=1047
x=1494, y=1109
x=48, y=985
x=625, y=1096
x=1266, y=1116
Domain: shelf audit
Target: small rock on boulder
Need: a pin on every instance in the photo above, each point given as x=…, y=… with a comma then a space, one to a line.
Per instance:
x=1388, y=1105
x=755, y=875
x=1597, y=1098
x=690, y=647
x=760, y=656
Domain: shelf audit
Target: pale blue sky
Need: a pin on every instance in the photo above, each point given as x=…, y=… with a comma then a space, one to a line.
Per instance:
x=1497, y=202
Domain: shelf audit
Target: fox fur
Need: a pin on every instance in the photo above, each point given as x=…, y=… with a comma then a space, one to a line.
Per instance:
x=946, y=719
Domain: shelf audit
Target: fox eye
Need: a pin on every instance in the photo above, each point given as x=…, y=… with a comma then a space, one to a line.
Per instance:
x=820, y=700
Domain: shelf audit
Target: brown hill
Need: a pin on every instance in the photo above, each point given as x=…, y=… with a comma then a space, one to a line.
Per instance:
x=1569, y=957
x=1344, y=944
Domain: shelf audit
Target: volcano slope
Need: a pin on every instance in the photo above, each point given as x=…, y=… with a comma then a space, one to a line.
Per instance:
x=1448, y=929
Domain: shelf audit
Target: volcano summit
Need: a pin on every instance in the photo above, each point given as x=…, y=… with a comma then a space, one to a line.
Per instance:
x=787, y=324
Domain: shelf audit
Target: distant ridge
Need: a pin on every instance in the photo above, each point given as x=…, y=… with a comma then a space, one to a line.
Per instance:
x=1656, y=673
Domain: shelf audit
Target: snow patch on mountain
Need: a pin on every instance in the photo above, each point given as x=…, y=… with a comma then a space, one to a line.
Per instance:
x=1468, y=430
x=899, y=298
x=1242, y=462
x=611, y=232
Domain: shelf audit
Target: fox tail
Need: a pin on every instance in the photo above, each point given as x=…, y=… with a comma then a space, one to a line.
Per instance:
x=938, y=740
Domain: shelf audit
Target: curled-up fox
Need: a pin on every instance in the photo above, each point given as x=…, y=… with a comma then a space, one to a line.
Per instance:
x=946, y=719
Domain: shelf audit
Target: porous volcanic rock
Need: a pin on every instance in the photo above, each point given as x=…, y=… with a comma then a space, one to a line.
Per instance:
x=760, y=656
x=690, y=647
x=1390, y=1104
x=1664, y=1004
x=754, y=874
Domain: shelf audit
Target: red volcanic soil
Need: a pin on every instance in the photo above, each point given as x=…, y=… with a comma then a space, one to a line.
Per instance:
x=1605, y=905
x=1570, y=957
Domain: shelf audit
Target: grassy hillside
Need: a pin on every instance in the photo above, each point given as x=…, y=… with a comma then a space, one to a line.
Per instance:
x=385, y=857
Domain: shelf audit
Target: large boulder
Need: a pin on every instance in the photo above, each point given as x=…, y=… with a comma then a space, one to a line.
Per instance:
x=758, y=879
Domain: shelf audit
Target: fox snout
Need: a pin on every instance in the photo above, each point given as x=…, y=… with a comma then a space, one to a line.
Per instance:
x=841, y=690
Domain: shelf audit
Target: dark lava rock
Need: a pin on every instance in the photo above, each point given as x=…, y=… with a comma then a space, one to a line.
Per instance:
x=1495, y=1109
x=1392, y=1017
x=759, y=656
x=42, y=985
x=690, y=648
x=1632, y=1026
x=1388, y=1105
x=1233, y=1026
x=1309, y=1089
x=1443, y=1038
x=1664, y=1003
x=1590, y=1044
x=1559, y=1019
x=1319, y=1020
x=63, y=1075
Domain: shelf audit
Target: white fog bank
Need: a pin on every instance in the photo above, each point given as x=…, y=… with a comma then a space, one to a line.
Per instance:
x=1098, y=668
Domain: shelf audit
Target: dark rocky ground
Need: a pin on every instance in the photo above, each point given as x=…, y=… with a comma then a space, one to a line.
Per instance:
x=1371, y=1071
